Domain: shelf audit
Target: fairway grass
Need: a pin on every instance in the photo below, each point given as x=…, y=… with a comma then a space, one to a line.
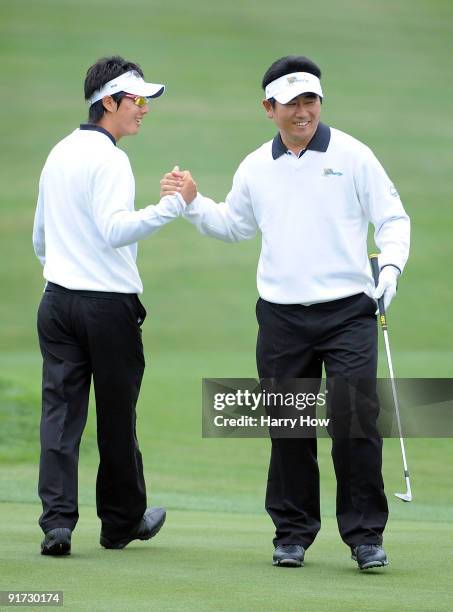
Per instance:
x=379, y=61
x=217, y=561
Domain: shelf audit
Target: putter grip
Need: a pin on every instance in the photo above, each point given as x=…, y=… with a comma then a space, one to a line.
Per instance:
x=374, y=262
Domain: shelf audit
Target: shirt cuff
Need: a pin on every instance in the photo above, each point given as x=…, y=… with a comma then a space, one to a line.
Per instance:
x=392, y=266
x=193, y=207
x=175, y=202
x=391, y=259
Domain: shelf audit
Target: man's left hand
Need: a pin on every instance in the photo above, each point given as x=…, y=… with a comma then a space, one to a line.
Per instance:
x=387, y=284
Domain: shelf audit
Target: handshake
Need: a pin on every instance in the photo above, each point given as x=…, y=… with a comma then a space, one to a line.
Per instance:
x=178, y=181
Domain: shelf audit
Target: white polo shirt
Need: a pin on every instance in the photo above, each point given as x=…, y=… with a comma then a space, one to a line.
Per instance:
x=86, y=229
x=313, y=213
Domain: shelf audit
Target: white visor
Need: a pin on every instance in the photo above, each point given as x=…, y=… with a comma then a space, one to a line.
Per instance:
x=129, y=82
x=292, y=85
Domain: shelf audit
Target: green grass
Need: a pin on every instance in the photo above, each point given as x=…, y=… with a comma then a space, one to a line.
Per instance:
x=218, y=561
x=385, y=75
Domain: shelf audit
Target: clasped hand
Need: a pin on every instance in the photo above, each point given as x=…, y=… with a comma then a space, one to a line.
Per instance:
x=178, y=181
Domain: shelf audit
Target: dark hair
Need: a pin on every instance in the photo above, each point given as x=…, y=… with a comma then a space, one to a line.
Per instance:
x=287, y=65
x=100, y=73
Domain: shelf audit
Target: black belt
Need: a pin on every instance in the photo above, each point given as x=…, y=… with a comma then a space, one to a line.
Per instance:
x=53, y=287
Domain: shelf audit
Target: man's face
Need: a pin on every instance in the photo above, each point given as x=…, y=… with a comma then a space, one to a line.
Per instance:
x=297, y=120
x=124, y=118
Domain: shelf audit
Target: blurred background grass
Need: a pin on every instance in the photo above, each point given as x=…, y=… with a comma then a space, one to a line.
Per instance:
x=386, y=76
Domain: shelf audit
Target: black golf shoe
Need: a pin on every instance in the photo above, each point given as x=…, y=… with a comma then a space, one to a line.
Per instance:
x=150, y=524
x=369, y=555
x=289, y=555
x=57, y=542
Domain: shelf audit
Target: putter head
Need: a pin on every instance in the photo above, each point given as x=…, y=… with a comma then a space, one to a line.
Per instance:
x=405, y=497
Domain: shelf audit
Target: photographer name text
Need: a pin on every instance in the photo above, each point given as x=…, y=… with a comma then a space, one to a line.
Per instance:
x=267, y=421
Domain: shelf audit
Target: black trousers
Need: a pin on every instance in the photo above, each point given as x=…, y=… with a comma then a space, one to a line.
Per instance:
x=294, y=341
x=84, y=335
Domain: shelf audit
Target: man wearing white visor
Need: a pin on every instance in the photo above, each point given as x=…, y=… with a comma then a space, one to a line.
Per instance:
x=312, y=192
x=89, y=320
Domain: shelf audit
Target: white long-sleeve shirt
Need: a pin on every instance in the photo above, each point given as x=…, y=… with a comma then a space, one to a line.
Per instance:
x=313, y=213
x=86, y=229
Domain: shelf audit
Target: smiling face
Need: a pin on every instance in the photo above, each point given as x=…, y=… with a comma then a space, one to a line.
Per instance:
x=123, y=118
x=297, y=120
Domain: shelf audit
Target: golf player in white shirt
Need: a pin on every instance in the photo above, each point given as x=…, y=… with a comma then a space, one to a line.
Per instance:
x=89, y=320
x=312, y=192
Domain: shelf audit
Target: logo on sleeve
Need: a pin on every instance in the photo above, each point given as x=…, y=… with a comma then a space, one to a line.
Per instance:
x=331, y=172
x=394, y=192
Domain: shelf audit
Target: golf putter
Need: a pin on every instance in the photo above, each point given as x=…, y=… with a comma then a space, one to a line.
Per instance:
x=406, y=497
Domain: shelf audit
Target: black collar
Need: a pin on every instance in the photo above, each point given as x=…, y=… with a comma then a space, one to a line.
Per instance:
x=319, y=142
x=97, y=128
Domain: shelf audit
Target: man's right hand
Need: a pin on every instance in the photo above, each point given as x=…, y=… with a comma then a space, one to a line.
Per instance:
x=178, y=181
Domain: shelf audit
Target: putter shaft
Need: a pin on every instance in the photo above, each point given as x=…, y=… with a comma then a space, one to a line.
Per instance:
x=383, y=321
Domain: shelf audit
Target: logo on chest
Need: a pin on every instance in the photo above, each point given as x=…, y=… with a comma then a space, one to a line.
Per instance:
x=331, y=172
